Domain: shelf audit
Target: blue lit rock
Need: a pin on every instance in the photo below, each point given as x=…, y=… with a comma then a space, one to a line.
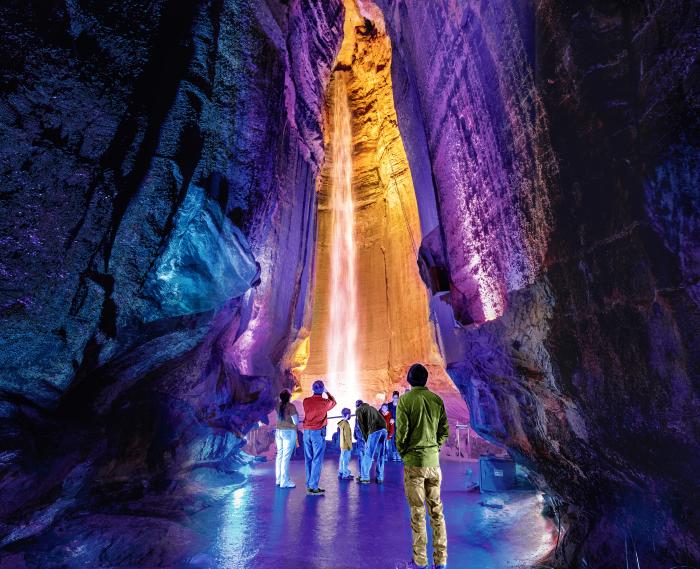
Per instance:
x=206, y=262
x=158, y=151
x=125, y=119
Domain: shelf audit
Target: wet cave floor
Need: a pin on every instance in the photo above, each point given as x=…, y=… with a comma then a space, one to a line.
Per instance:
x=358, y=527
x=242, y=520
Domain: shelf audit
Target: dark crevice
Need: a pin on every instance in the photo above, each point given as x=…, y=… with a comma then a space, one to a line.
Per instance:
x=154, y=93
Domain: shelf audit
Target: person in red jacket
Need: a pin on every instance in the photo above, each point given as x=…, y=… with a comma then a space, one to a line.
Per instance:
x=316, y=410
x=390, y=427
x=389, y=421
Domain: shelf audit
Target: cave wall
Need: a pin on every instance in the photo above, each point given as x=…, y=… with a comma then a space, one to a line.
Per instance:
x=159, y=199
x=393, y=308
x=159, y=166
x=563, y=142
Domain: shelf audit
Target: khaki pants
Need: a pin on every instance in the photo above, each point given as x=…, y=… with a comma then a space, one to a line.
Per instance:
x=422, y=485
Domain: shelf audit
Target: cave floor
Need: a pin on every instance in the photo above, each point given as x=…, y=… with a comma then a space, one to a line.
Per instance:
x=358, y=527
x=235, y=521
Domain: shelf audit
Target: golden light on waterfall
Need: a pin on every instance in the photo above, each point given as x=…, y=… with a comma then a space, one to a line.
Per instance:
x=370, y=318
x=343, y=365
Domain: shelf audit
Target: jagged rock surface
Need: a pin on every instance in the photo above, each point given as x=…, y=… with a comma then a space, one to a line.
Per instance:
x=394, y=324
x=157, y=248
x=563, y=144
x=554, y=154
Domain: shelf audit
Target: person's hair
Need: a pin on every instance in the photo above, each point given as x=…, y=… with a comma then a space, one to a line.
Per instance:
x=317, y=387
x=285, y=396
x=345, y=412
x=418, y=375
x=396, y=393
x=358, y=402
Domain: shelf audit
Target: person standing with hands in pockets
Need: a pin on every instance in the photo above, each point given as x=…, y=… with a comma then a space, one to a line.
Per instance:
x=421, y=429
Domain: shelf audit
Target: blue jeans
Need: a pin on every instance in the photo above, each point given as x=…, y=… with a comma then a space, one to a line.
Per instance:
x=360, y=450
x=374, y=450
x=391, y=452
x=314, y=448
x=344, y=463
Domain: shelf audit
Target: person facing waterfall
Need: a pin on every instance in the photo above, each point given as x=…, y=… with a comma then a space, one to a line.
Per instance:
x=285, y=439
x=316, y=410
x=345, y=441
x=373, y=429
x=421, y=429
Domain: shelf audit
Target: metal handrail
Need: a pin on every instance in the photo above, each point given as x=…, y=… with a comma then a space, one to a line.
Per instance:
x=469, y=440
x=331, y=417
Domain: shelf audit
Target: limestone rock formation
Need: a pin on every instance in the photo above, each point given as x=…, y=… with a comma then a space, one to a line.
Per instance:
x=562, y=141
x=162, y=270
x=158, y=233
x=394, y=321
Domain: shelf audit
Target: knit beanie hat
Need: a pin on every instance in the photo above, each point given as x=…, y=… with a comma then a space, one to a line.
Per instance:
x=417, y=375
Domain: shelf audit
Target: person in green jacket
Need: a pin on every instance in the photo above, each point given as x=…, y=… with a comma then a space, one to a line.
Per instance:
x=421, y=429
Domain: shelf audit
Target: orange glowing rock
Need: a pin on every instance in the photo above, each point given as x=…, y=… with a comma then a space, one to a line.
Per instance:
x=391, y=329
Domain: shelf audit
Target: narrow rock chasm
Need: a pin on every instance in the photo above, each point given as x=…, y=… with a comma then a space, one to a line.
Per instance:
x=393, y=316
x=525, y=209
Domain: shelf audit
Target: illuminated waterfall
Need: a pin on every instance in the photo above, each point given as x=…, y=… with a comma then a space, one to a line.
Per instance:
x=343, y=362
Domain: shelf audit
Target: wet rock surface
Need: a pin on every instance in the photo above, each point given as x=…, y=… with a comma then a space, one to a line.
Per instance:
x=150, y=148
x=159, y=164
x=394, y=324
x=568, y=137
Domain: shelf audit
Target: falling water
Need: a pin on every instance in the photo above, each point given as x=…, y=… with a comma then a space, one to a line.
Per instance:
x=343, y=326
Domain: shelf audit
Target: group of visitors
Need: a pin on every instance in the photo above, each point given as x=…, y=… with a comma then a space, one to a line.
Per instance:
x=411, y=428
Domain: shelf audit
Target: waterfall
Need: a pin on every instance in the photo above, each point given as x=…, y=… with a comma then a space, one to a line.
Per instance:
x=343, y=365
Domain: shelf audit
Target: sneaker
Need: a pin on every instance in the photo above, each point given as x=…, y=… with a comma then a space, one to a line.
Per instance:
x=288, y=485
x=379, y=480
x=312, y=492
x=361, y=481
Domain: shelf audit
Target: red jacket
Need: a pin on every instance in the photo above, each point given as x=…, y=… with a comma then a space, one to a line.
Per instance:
x=316, y=411
x=389, y=425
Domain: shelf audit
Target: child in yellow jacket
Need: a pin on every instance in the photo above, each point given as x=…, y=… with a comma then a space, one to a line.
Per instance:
x=345, y=446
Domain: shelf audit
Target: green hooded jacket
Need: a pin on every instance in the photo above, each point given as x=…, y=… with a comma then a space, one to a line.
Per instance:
x=421, y=427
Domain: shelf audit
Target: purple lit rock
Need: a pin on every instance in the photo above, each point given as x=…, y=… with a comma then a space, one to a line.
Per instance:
x=463, y=74
x=563, y=144
x=121, y=118
x=554, y=151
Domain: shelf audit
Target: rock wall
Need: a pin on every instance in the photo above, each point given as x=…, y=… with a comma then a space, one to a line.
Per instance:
x=562, y=142
x=159, y=165
x=393, y=309
x=158, y=241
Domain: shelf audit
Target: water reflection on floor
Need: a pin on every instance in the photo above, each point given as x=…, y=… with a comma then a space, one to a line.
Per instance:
x=359, y=527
